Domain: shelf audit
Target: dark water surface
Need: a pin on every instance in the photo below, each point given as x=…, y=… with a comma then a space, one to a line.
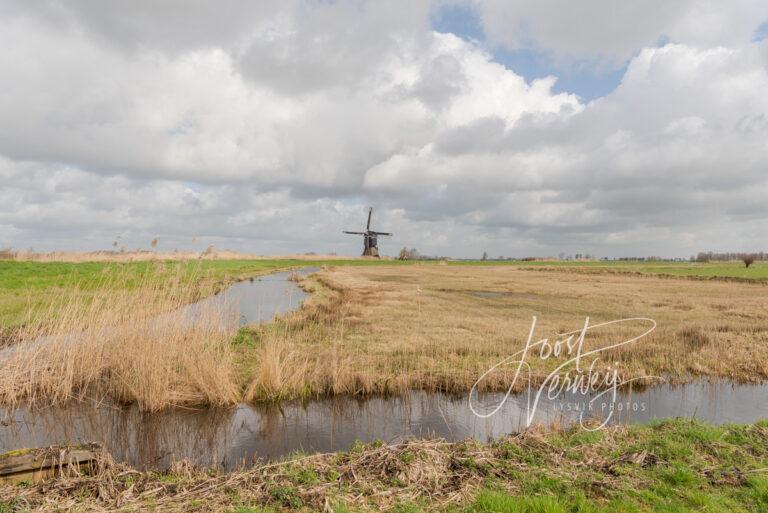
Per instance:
x=228, y=438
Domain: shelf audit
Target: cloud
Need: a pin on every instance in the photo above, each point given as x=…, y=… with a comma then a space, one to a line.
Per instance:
x=270, y=128
x=611, y=32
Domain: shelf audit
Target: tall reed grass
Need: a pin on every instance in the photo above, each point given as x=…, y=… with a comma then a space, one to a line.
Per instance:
x=131, y=340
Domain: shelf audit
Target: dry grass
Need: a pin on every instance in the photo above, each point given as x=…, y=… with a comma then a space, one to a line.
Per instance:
x=132, y=342
x=389, y=329
x=377, y=330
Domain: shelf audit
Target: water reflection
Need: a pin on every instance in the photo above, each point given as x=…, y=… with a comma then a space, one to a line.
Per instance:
x=228, y=438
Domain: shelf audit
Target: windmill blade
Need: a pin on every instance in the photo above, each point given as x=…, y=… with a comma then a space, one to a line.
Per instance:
x=354, y=233
x=368, y=226
x=381, y=233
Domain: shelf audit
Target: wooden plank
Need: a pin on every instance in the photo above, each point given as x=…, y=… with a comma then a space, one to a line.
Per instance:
x=36, y=465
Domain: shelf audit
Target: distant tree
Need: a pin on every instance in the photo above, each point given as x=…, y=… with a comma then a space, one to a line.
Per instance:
x=408, y=254
x=748, y=260
x=485, y=256
x=154, y=242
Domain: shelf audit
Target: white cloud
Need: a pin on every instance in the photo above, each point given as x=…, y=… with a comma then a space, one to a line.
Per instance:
x=612, y=32
x=269, y=128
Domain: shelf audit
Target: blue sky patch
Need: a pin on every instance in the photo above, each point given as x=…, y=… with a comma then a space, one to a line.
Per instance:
x=588, y=80
x=761, y=32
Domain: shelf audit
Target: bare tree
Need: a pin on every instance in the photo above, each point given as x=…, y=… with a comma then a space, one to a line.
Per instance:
x=408, y=254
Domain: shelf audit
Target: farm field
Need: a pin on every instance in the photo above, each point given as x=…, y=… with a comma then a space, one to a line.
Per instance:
x=758, y=271
x=384, y=328
x=388, y=329
x=381, y=327
x=26, y=285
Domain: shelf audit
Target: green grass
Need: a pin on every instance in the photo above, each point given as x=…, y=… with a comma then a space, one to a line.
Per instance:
x=757, y=271
x=694, y=467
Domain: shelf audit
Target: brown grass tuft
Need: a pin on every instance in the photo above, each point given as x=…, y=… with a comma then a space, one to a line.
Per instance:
x=694, y=337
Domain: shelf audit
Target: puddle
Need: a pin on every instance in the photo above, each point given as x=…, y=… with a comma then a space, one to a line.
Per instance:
x=494, y=294
x=228, y=438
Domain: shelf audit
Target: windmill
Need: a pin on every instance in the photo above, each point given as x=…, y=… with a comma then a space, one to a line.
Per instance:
x=370, y=243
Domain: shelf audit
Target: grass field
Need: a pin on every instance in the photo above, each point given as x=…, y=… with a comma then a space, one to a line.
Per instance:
x=386, y=329
x=675, y=466
x=370, y=327
x=756, y=272
x=26, y=285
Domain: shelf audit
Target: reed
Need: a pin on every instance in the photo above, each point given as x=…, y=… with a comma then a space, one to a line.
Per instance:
x=132, y=340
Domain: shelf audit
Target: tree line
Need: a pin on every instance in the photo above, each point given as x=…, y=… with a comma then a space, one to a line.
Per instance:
x=710, y=256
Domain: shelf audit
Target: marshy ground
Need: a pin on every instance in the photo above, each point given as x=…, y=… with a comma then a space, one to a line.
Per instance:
x=387, y=329
x=379, y=327
x=370, y=327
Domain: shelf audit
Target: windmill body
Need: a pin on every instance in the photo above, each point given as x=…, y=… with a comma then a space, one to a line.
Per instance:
x=370, y=238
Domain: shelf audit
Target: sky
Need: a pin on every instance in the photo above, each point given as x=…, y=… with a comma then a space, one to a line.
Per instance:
x=511, y=127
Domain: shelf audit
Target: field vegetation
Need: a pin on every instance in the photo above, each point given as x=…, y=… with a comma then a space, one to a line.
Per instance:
x=28, y=286
x=675, y=466
x=370, y=327
x=120, y=330
x=381, y=330
x=31, y=281
x=129, y=337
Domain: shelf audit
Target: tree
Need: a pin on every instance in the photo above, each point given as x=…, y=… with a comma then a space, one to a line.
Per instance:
x=485, y=256
x=748, y=260
x=408, y=254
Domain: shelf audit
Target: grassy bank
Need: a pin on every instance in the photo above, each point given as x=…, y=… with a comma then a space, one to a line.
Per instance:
x=675, y=466
x=439, y=327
